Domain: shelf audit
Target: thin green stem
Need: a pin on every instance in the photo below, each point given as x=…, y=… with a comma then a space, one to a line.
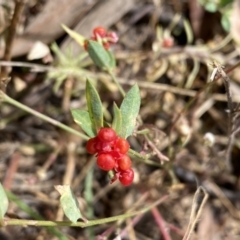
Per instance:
x=32, y=214
x=116, y=82
x=21, y=222
x=132, y=152
x=143, y=158
x=15, y=103
x=88, y=196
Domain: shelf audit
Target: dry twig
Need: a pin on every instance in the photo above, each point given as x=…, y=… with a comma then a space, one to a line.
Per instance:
x=9, y=43
x=196, y=211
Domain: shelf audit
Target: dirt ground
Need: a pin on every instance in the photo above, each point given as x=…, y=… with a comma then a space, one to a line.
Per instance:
x=185, y=60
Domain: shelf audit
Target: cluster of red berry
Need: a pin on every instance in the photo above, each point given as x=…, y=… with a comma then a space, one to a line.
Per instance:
x=111, y=155
x=101, y=35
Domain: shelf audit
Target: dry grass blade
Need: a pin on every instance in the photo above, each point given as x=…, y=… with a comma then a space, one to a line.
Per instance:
x=231, y=135
x=196, y=211
x=186, y=118
x=224, y=200
x=9, y=43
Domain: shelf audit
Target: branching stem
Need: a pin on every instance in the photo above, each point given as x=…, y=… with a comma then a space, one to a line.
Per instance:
x=21, y=222
x=54, y=122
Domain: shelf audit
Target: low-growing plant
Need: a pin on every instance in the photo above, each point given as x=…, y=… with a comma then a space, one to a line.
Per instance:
x=106, y=140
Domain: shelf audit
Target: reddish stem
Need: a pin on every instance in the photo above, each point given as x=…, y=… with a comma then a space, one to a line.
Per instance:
x=12, y=169
x=161, y=223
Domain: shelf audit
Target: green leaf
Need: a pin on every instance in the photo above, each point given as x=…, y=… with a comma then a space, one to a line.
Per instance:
x=58, y=52
x=4, y=202
x=69, y=203
x=112, y=63
x=76, y=36
x=130, y=108
x=58, y=82
x=95, y=108
x=211, y=7
x=117, y=120
x=82, y=118
x=225, y=22
x=223, y=3
x=99, y=55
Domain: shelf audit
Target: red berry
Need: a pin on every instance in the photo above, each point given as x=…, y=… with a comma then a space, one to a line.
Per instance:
x=99, y=31
x=168, y=42
x=112, y=37
x=106, y=162
x=115, y=154
x=126, y=177
x=107, y=134
x=104, y=146
x=121, y=145
x=91, y=145
x=124, y=163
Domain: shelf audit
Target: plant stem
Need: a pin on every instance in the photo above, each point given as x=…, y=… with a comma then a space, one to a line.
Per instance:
x=21, y=222
x=33, y=214
x=132, y=152
x=88, y=196
x=116, y=82
x=143, y=158
x=19, y=6
x=15, y=103
x=6, y=98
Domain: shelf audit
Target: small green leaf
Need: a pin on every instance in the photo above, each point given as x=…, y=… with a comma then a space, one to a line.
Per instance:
x=82, y=118
x=94, y=104
x=225, y=22
x=4, y=202
x=58, y=82
x=99, y=55
x=223, y=3
x=211, y=7
x=117, y=120
x=112, y=63
x=69, y=203
x=130, y=108
x=76, y=36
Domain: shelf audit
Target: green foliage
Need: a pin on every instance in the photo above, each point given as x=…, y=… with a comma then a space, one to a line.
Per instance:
x=112, y=62
x=82, y=118
x=226, y=22
x=215, y=5
x=117, y=120
x=67, y=65
x=69, y=203
x=129, y=109
x=94, y=105
x=211, y=6
x=124, y=119
x=76, y=36
x=223, y=6
x=4, y=202
x=224, y=3
x=101, y=57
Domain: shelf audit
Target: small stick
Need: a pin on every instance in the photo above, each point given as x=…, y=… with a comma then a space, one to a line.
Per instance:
x=227, y=87
x=11, y=170
x=231, y=134
x=196, y=211
x=161, y=224
x=19, y=6
x=161, y=156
